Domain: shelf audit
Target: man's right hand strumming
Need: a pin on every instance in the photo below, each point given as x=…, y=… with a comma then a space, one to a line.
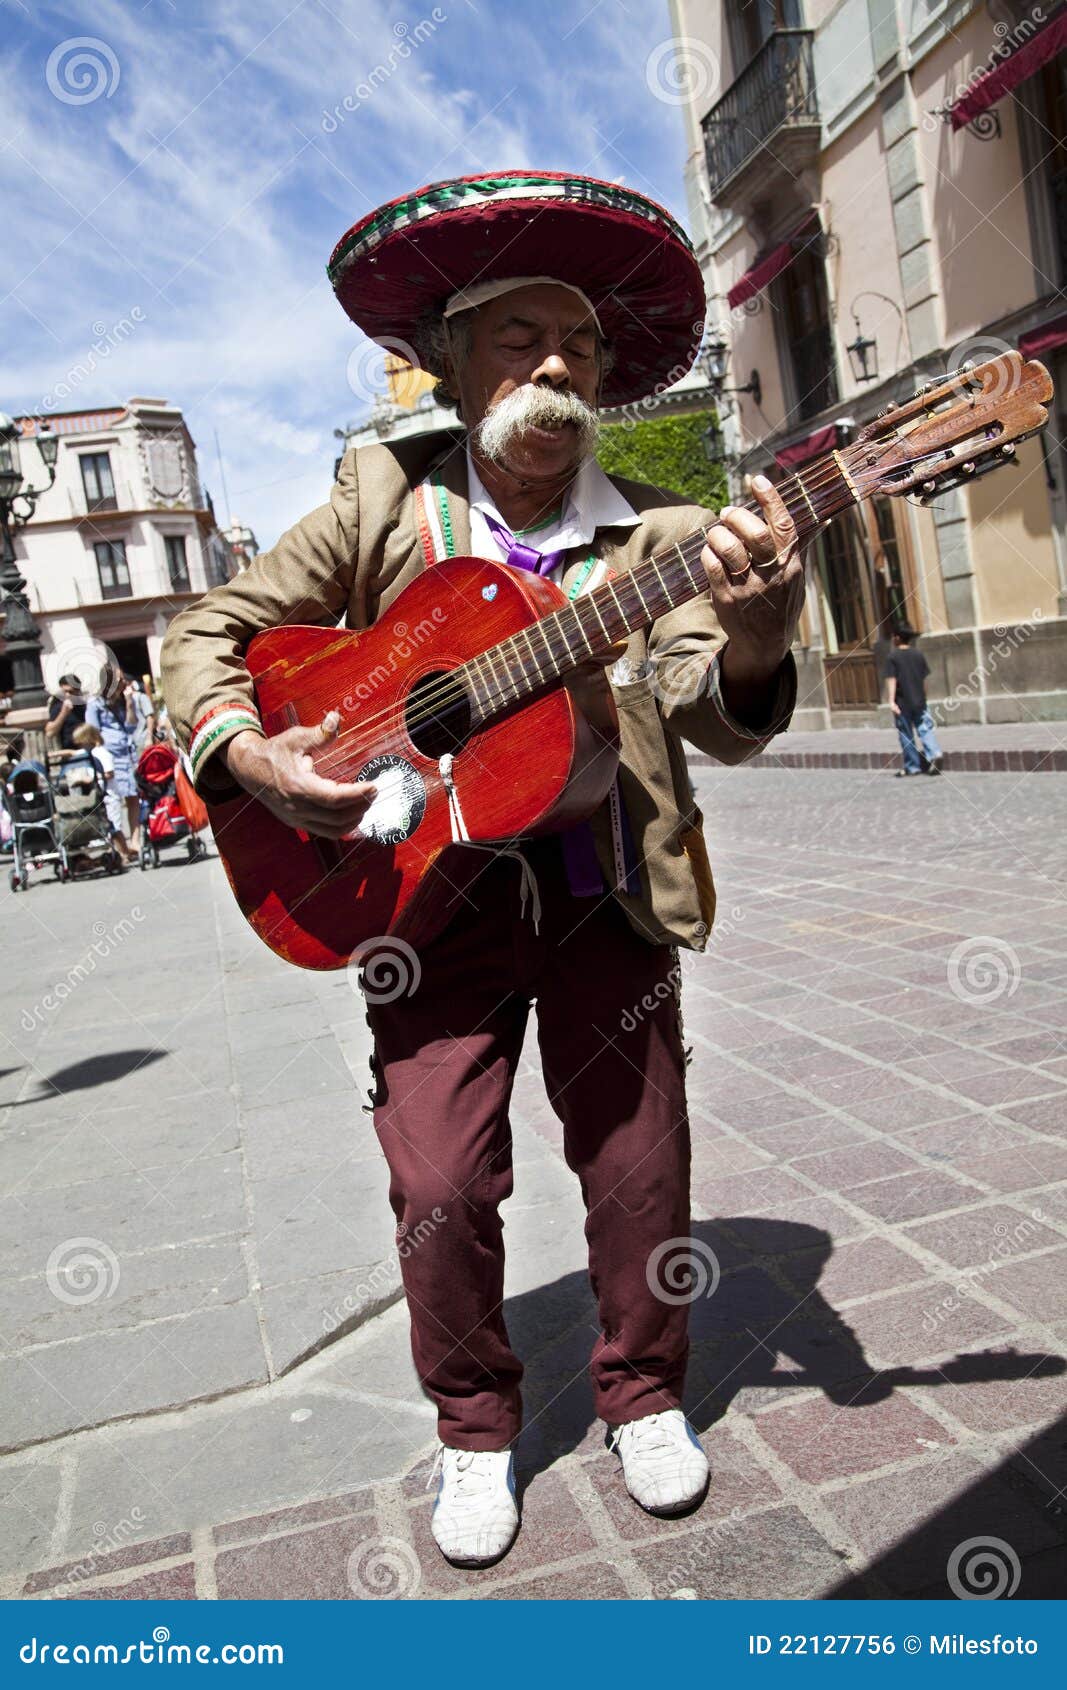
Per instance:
x=281, y=774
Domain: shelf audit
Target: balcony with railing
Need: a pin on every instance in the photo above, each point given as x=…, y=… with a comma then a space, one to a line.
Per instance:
x=766, y=127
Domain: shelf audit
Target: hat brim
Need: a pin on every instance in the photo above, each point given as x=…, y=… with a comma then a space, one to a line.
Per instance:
x=407, y=258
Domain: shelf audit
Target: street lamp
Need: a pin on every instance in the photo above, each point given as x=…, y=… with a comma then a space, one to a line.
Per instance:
x=22, y=637
x=715, y=358
x=862, y=354
x=714, y=442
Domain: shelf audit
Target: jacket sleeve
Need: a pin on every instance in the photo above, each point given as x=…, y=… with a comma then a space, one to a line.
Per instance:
x=307, y=577
x=683, y=651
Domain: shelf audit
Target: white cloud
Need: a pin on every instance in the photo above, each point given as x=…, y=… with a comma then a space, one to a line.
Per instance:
x=207, y=193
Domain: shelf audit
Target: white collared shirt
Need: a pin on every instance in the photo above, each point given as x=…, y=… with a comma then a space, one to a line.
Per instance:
x=591, y=502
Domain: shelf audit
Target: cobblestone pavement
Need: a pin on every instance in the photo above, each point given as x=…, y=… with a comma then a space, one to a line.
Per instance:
x=210, y=1394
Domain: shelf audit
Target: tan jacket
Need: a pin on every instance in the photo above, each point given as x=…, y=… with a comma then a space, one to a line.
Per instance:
x=349, y=559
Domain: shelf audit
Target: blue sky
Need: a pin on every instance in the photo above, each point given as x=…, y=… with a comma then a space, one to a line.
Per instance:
x=182, y=216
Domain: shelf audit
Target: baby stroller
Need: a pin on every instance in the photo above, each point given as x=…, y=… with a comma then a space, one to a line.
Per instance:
x=30, y=803
x=85, y=833
x=163, y=822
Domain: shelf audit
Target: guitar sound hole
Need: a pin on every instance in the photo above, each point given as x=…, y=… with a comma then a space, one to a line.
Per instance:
x=438, y=714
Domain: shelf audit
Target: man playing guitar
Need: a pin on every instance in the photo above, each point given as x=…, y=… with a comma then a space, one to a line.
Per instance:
x=535, y=298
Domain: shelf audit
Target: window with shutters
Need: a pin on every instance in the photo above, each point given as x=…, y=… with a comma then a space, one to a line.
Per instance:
x=177, y=562
x=112, y=568
x=97, y=482
x=808, y=338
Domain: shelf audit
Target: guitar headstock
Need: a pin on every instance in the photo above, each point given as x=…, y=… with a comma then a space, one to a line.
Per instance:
x=953, y=430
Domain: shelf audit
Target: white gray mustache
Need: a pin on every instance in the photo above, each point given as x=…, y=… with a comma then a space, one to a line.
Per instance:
x=535, y=407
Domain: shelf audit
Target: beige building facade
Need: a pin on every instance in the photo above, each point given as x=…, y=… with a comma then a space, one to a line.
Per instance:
x=123, y=538
x=827, y=182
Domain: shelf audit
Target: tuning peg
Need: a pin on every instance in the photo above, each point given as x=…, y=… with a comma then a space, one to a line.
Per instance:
x=929, y=487
x=1008, y=451
x=967, y=469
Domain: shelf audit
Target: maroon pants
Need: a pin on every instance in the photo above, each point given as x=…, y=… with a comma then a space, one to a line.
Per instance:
x=613, y=1064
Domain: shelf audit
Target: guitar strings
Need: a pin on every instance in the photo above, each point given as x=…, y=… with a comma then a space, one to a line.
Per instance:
x=821, y=479
x=689, y=550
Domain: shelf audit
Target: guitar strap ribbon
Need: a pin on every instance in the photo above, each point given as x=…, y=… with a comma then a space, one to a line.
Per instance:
x=584, y=875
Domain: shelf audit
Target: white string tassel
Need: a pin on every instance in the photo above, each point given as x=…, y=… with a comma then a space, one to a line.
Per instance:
x=529, y=891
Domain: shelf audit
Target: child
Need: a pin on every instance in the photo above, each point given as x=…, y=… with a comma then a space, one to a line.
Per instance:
x=88, y=738
x=906, y=672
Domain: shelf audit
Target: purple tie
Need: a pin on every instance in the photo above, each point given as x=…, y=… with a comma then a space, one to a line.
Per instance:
x=520, y=556
x=579, y=851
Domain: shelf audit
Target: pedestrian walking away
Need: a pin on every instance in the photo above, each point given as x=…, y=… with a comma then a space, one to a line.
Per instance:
x=906, y=672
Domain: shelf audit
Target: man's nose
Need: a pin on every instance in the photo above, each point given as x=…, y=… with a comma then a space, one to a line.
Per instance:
x=552, y=372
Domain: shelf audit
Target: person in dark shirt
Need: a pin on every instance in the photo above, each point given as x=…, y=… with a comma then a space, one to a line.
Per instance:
x=906, y=672
x=66, y=713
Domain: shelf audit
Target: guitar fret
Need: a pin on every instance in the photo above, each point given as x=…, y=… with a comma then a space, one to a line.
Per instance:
x=525, y=632
x=636, y=585
x=591, y=600
x=499, y=686
x=804, y=495
x=478, y=686
x=553, y=659
x=577, y=622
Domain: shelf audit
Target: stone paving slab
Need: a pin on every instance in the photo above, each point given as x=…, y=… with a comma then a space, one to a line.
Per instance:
x=879, y=1068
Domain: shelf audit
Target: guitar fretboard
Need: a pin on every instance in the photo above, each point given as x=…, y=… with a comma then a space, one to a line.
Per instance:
x=539, y=656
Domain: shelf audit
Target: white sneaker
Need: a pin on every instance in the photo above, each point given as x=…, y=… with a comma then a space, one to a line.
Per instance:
x=664, y=1466
x=475, y=1519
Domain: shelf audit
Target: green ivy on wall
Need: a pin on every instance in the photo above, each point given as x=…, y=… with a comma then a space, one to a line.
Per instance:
x=667, y=452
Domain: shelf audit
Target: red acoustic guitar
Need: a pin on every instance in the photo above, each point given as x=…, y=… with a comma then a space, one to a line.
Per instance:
x=470, y=736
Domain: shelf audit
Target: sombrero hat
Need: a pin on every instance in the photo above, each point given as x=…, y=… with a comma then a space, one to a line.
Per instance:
x=622, y=250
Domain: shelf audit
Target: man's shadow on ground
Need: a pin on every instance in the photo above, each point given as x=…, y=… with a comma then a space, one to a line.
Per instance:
x=767, y=1303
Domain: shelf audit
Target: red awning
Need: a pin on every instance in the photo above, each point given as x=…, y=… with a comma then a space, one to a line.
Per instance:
x=1011, y=70
x=823, y=440
x=1047, y=337
x=764, y=271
